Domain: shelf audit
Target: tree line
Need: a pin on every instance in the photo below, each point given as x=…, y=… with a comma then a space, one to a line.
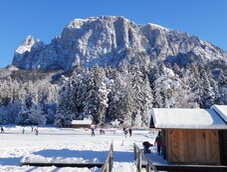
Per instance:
x=125, y=94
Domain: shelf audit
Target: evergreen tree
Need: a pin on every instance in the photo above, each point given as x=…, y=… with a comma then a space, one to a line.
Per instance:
x=115, y=97
x=222, y=88
x=153, y=75
x=142, y=97
x=97, y=96
x=37, y=116
x=64, y=114
x=23, y=116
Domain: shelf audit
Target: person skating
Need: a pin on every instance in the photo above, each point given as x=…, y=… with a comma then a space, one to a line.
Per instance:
x=2, y=130
x=36, y=131
x=92, y=131
x=130, y=132
x=126, y=133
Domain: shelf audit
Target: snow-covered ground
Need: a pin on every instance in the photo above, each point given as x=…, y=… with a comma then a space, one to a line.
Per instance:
x=68, y=145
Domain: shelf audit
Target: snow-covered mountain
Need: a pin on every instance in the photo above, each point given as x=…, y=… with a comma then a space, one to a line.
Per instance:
x=135, y=80
x=111, y=40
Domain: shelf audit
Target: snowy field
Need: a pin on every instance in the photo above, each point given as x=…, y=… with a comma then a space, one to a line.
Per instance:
x=68, y=145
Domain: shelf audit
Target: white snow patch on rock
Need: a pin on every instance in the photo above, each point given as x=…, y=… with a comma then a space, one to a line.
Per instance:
x=26, y=45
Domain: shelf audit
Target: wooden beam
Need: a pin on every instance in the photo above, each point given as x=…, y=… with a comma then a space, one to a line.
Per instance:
x=80, y=165
x=189, y=168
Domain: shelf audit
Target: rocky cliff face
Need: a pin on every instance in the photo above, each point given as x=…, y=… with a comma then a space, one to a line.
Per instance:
x=111, y=41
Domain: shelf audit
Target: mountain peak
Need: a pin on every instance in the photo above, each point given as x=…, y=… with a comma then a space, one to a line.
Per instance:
x=156, y=26
x=111, y=40
x=78, y=22
x=29, y=40
x=26, y=45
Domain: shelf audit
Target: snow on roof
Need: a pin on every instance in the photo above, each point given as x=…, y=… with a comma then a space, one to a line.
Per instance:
x=221, y=110
x=82, y=122
x=187, y=119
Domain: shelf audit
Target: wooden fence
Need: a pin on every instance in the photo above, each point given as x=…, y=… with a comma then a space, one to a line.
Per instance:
x=139, y=157
x=107, y=166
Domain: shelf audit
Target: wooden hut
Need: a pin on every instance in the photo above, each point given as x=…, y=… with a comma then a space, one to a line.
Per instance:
x=221, y=110
x=192, y=136
x=85, y=123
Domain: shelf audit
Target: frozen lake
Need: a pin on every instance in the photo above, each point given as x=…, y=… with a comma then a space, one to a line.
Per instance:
x=68, y=145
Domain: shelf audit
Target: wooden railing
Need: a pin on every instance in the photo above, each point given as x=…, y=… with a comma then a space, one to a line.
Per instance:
x=138, y=157
x=107, y=166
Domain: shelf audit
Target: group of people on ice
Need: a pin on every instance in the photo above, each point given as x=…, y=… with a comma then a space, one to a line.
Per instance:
x=101, y=131
x=127, y=131
x=33, y=129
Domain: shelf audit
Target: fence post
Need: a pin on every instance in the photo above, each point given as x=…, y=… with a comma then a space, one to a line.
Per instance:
x=138, y=156
x=111, y=158
x=139, y=164
x=148, y=167
x=135, y=152
x=107, y=166
x=110, y=161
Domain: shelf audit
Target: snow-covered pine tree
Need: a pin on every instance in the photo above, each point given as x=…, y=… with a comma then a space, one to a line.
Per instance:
x=142, y=97
x=194, y=82
x=36, y=115
x=204, y=89
x=148, y=100
x=127, y=103
x=115, y=97
x=3, y=115
x=183, y=96
x=23, y=116
x=222, y=88
x=64, y=114
x=79, y=93
x=12, y=111
x=94, y=101
x=6, y=95
x=154, y=75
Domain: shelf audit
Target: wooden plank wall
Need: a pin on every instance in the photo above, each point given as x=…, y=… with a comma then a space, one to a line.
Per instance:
x=193, y=146
x=80, y=126
x=223, y=146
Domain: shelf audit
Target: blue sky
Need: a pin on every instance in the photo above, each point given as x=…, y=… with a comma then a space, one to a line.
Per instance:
x=45, y=19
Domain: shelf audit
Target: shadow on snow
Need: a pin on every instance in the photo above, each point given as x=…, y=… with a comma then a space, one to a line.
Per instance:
x=10, y=161
x=66, y=153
